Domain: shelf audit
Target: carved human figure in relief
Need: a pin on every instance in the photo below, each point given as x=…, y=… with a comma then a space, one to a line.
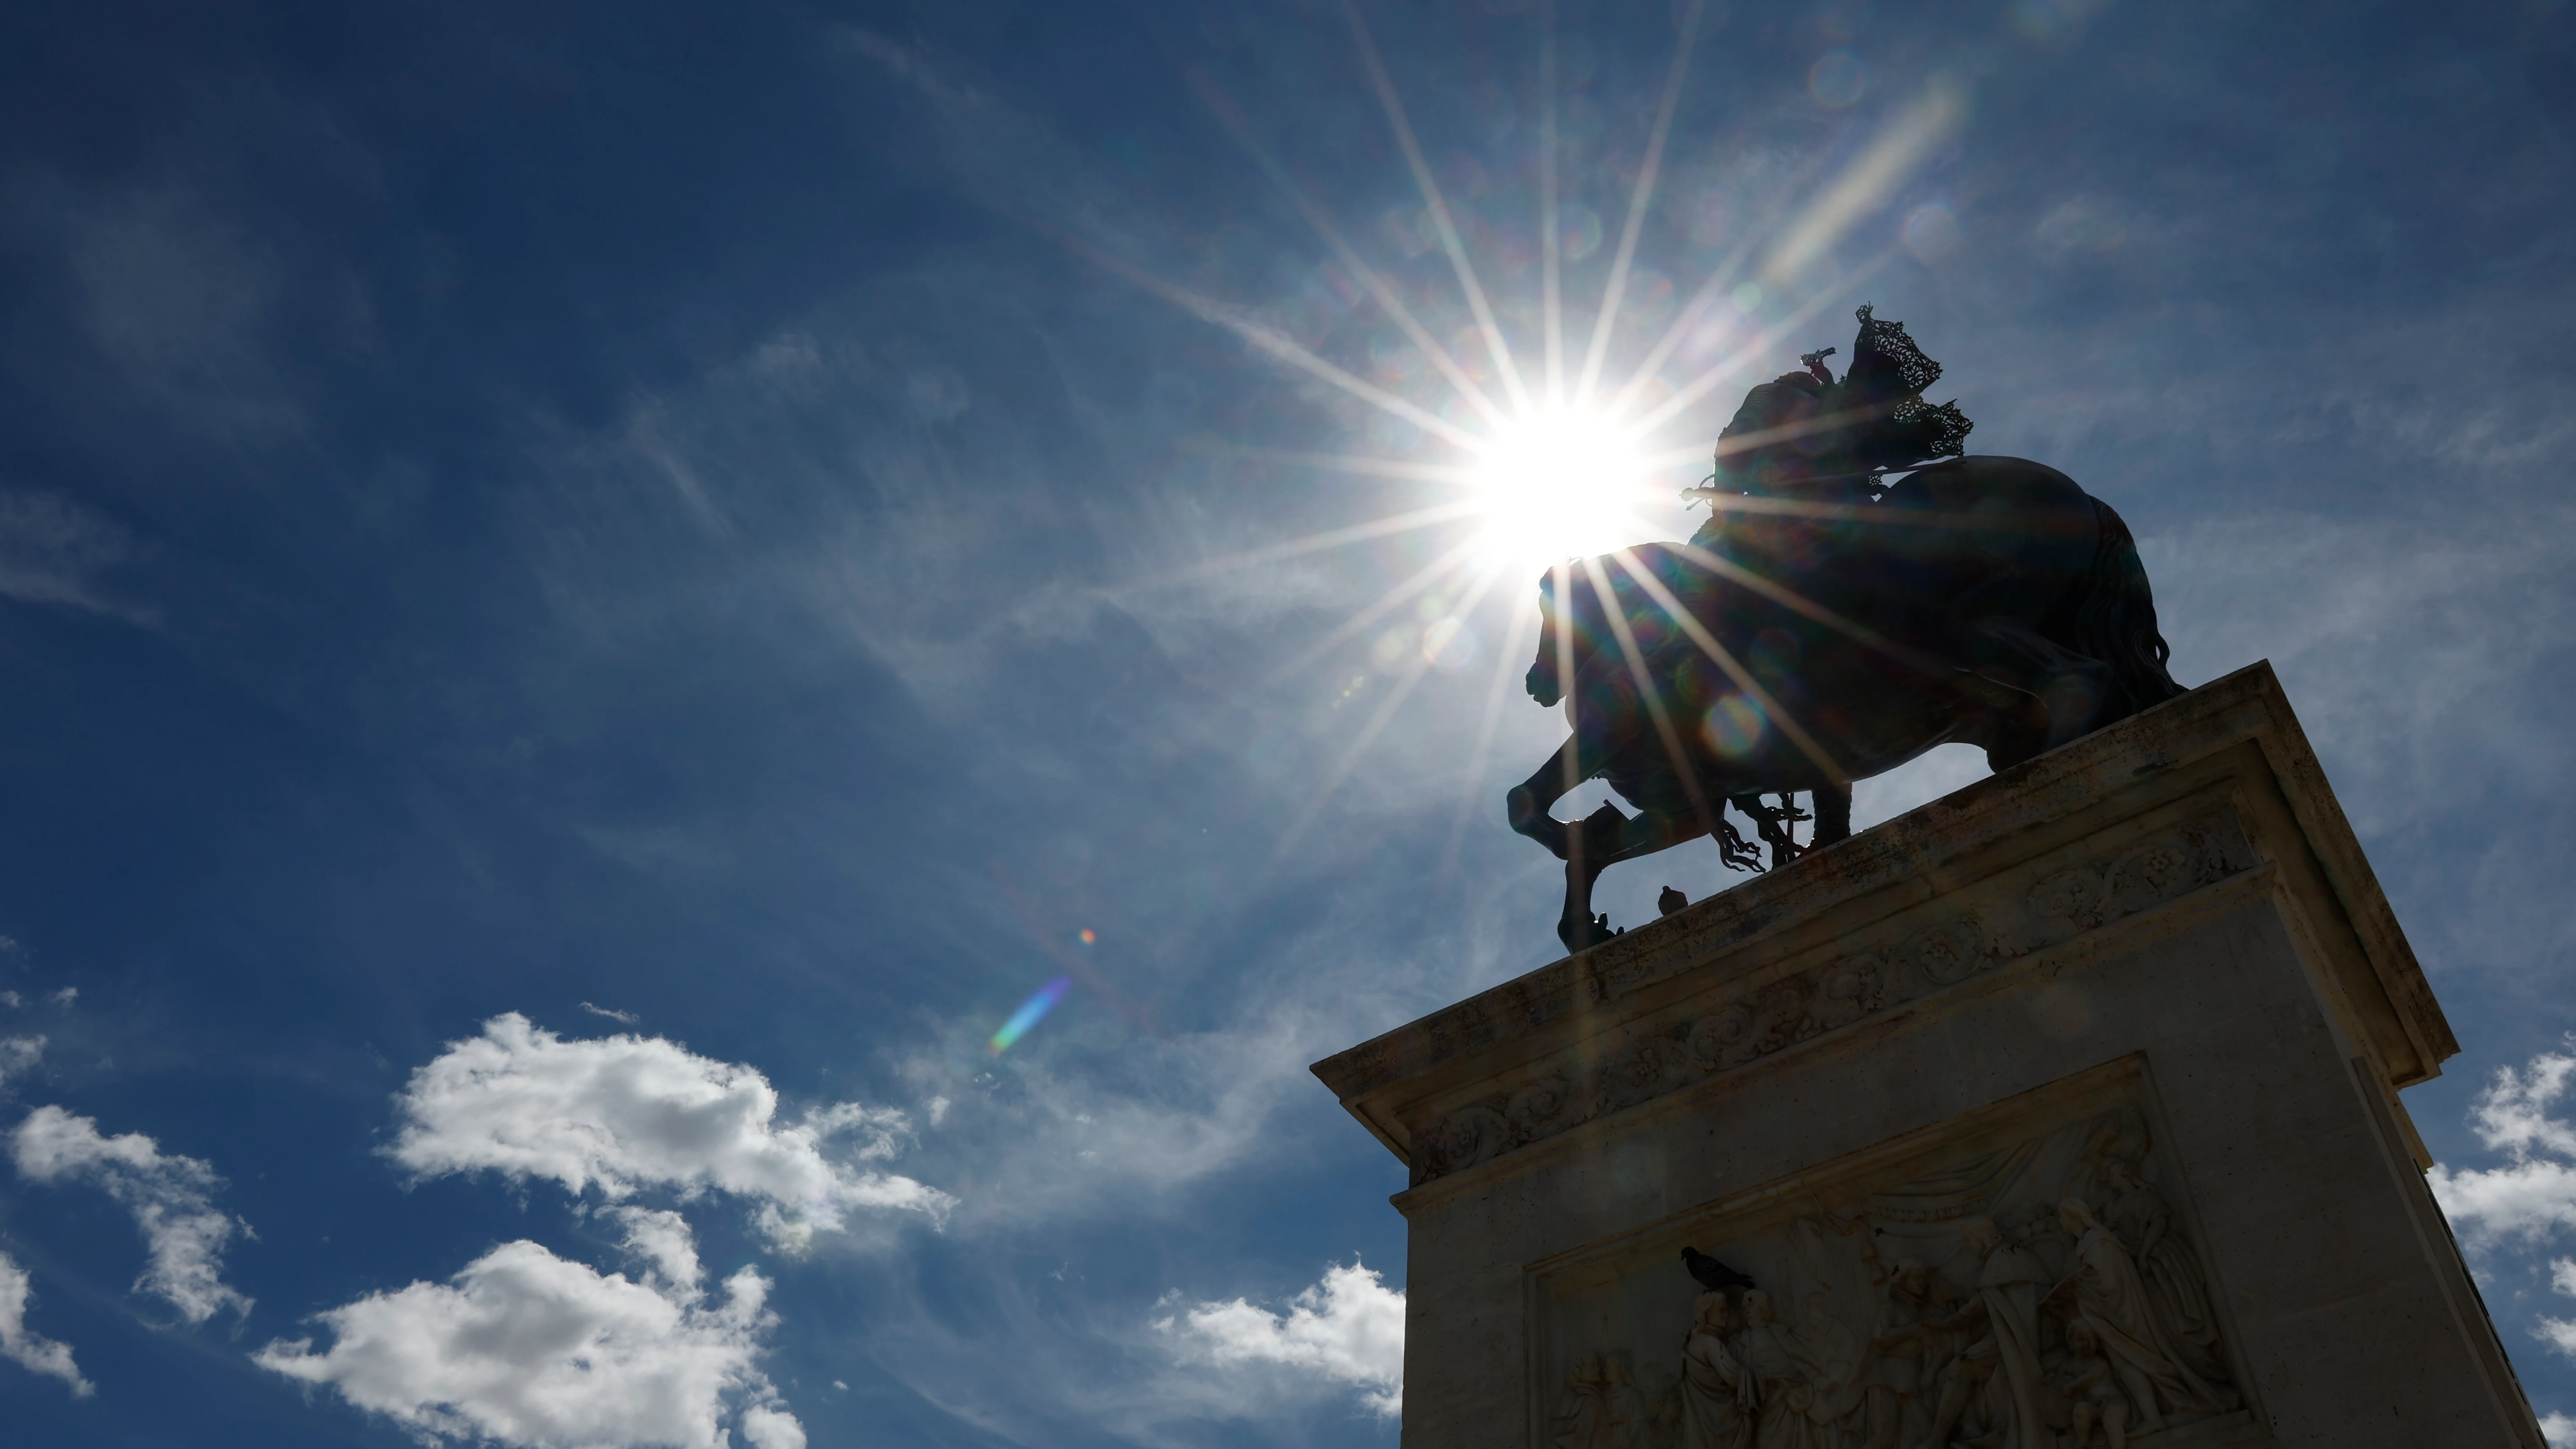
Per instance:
x=1779, y=1382
x=2002, y=1365
x=1661, y=1394
x=2086, y=1378
x=2176, y=1287
x=1898, y=1344
x=1582, y=1419
x=1835, y=1359
x=1717, y=1390
x=2112, y=1299
x=1629, y=1419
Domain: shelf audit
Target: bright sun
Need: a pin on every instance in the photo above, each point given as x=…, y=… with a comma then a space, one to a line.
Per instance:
x=1560, y=484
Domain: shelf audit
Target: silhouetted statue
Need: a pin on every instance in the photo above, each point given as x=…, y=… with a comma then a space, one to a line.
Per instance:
x=1829, y=624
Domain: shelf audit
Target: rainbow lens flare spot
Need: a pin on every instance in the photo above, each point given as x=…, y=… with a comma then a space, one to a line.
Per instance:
x=1031, y=1012
x=1085, y=937
x=1733, y=725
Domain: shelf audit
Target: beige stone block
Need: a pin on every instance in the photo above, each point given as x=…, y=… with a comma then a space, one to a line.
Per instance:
x=2064, y=1104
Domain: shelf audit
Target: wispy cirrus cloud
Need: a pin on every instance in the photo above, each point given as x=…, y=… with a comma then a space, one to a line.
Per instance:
x=171, y=1197
x=59, y=551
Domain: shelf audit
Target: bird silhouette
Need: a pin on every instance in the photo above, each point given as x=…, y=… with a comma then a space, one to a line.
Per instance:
x=1670, y=901
x=1713, y=1275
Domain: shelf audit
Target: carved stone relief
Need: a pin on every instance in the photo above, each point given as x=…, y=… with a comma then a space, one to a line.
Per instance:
x=2037, y=1295
x=2003, y=921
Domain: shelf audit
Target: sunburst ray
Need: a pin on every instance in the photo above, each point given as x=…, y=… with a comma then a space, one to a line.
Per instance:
x=1551, y=246
x=1798, y=603
x=1727, y=663
x=1361, y=464
x=1377, y=722
x=1769, y=338
x=1506, y=650
x=1879, y=514
x=1278, y=344
x=1310, y=543
x=1423, y=578
x=1683, y=321
x=1231, y=118
x=1561, y=585
x=1438, y=206
x=1640, y=198
x=1650, y=692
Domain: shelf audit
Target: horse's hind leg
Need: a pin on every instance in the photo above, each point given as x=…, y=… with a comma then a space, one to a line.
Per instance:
x=1833, y=813
x=2068, y=689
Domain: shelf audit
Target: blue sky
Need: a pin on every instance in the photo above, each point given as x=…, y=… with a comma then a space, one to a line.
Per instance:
x=594, y=597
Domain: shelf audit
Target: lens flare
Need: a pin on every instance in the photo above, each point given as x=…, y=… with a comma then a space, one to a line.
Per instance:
x=1449, y=645
x=1733, y=725
x=1837, y=79
x=1560, y=484
x=1085, y=936
x=1031, y=1012
x=1931, y=232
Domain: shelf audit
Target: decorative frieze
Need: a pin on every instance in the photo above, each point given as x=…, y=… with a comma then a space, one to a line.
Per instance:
x=2040, y=1291
x=1914, y=958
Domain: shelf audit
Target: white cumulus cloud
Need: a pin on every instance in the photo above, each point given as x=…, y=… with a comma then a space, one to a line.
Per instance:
x=528, y=1349
x=772, y=1428
x=2560, y=1429
x=628, y=1112
x=1348, y=1327
x=22, y=1346
x=171, y=1197
x=2560, y=1332
x=2534, y=1191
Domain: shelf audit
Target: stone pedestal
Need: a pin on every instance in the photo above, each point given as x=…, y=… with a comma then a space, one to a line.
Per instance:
x=2069, y=1098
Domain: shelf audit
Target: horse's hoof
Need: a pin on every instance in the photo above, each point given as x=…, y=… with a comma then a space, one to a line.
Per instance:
x=1581, y=938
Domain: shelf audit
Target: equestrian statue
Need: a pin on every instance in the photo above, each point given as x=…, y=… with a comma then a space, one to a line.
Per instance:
x=1863, y=591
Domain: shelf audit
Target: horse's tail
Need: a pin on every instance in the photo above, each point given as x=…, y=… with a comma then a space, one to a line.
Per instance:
x=2112, y=617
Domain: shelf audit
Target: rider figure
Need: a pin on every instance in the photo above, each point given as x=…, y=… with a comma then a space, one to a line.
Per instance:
x=1805, y=438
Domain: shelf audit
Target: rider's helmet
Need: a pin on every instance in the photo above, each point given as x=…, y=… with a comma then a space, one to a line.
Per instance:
x=1806, y=427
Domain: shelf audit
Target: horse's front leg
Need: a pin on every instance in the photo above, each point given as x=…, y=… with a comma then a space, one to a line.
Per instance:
x=1603, y=839
x=1527, y=804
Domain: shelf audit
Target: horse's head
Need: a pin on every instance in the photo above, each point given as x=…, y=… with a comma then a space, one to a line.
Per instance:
x=1544, y=685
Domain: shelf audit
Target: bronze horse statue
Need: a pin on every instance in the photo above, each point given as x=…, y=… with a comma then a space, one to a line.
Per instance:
x=1862, y=593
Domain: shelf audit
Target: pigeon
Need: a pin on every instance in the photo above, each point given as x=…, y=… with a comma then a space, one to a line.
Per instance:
x=1713, y=1275
x=1670, y=901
